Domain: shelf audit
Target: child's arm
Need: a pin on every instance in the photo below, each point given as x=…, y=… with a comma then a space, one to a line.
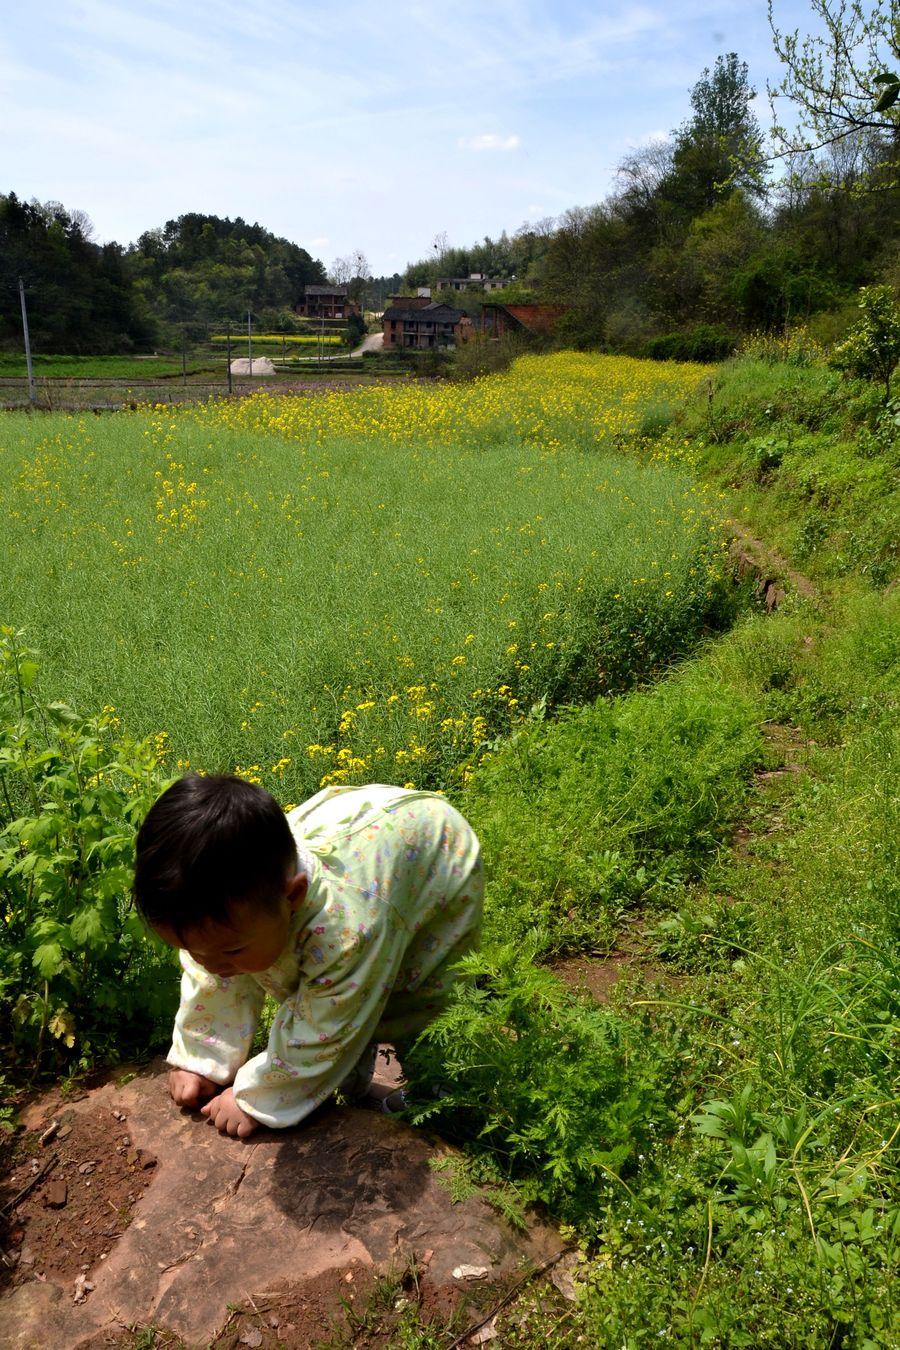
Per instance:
x=215, y=1022
x=321, y=1033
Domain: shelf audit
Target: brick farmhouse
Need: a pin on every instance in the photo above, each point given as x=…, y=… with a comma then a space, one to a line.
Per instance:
x=475, y=281
x=327, y=302
x=418, y=321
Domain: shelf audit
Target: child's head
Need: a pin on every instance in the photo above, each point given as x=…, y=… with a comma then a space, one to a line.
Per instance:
x=216, y=872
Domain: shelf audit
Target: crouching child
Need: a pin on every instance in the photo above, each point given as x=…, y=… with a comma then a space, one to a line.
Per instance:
x=349, y=911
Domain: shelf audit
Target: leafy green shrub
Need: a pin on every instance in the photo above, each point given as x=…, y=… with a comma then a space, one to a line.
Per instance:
x=562, y=1092
x=702, y=343
x=793, y=347
x=831, y=325
x=355, y=331
x=872, y=347
x=485, y=356
x=79, y=977
x=810, y=535
x=767, y=454
x=882, y=437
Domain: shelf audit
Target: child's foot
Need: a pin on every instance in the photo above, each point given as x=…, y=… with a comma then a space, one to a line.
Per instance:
x=397, y=1101
x=394, y=1102
x=191, y=1090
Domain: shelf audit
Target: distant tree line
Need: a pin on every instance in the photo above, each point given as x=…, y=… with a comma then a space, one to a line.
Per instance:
x=201, y=269
x=197, y=271
x=80, y=295
x=703, y=239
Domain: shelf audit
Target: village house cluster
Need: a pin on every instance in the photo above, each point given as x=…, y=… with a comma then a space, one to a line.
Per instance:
x=422, y=322
x=419, y=321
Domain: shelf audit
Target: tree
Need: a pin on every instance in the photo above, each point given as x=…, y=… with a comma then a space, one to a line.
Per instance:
x=340, y=271
x=719, y=148
x=872, y=347
x=643, y=177
x=362, y=275
x=842, y=81
x=353, y=272
x=356, y=330
x=80, y=297
x=207, y=269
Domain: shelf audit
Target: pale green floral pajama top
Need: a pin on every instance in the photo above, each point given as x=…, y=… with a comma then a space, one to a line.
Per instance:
x=395, y=896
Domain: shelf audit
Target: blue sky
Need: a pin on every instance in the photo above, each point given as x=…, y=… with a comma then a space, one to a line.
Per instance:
x=357, y=123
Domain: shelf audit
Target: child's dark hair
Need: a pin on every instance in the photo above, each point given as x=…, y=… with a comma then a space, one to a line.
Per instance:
x=207, y=843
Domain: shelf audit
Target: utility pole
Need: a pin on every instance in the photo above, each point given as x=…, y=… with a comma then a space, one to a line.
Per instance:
x=27, y=342
x=183, y=356
x=250, y=343
x=228, y=358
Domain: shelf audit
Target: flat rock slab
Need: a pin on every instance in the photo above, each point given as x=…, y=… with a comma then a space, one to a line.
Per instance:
x=216, y=1222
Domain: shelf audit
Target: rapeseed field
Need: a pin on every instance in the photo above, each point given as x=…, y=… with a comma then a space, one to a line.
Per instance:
x=360, y=586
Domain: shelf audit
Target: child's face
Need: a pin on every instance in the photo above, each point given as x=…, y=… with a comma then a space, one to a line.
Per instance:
x=248, y=941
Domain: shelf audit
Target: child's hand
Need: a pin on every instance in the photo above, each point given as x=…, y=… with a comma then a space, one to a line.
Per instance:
x=190, y=1089
x=228, y=1118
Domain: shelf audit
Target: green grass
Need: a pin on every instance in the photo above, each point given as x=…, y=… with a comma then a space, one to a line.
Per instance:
x=616, y=805
x=103, y=367
x=755, y=1202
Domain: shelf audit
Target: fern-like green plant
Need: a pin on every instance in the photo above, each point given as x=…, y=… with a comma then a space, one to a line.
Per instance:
x=564, y=1094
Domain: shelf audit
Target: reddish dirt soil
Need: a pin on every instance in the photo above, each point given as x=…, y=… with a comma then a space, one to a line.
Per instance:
x=80, y=1206
x=596, y=978
x=343, y=1309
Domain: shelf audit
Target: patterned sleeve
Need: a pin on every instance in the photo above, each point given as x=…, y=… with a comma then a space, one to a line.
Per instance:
x=322, y=1031
x=215, y=1022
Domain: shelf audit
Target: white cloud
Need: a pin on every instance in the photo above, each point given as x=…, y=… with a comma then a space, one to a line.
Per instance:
x=649, y=138
x=320, y=241
x=489, y=140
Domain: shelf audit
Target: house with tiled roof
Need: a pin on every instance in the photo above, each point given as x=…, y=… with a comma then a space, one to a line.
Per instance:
x=475, y=281
x=327, y=302
x=422, y=326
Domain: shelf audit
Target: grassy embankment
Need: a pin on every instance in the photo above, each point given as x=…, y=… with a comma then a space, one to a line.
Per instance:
x=207, y=360
x=104, y=367
x=74, y=383
x=723, y=1139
